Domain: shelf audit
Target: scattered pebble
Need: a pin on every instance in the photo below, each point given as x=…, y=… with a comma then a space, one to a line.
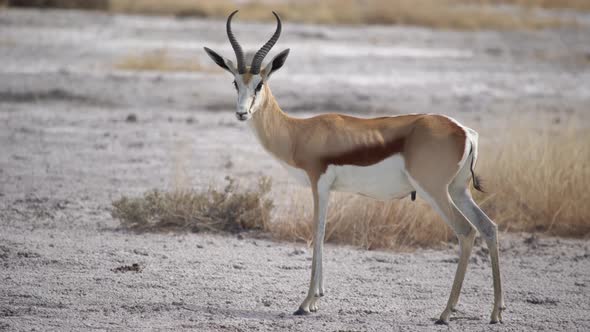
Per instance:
x=131, y=118
x=296, y=252
x=140, y=252
x=128, y=268
x=539, y=300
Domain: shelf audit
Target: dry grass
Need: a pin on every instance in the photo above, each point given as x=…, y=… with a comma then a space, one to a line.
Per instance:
x=440, y=14
x=536, y=182
x=539, y=180
x=159, y=60
x=229, y=210
x=364, y=222
x=581, y=5
x=446, y=14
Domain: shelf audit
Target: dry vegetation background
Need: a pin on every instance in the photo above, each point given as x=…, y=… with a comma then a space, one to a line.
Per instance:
x=450, y=14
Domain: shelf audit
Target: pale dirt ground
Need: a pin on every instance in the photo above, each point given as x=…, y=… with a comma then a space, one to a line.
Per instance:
x=66, y=152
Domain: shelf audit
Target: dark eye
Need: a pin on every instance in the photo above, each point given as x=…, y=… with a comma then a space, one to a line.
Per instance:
x=259, y=86
x=235, y=84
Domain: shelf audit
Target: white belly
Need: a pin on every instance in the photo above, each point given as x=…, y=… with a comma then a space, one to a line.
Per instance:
x=384, y=180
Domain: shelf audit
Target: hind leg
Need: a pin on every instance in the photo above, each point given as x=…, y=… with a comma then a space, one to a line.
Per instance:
x=488, y=229
x=440, y=200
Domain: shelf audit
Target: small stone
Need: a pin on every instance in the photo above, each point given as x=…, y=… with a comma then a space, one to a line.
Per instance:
x=131, y=118
x=140, y=252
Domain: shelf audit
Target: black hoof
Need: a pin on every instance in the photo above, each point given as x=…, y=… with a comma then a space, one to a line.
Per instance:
x=494, y=322
x=441, y=322
x=321, y=294
x=313, y=310
x=453, y=310
x=301, y=312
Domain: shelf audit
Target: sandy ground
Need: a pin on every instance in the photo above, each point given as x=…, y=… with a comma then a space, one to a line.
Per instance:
x=66, y=151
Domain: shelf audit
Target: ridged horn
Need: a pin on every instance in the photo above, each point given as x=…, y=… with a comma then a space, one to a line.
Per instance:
x=263, y=51
x=235, y=45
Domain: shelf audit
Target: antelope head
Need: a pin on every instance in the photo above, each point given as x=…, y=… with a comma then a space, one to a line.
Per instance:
x=249, y=81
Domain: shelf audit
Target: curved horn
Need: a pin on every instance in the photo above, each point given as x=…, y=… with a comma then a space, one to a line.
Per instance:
x=257, y=61
x=235, y=45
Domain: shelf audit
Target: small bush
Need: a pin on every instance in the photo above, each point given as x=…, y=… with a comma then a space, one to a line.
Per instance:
x=230, y=210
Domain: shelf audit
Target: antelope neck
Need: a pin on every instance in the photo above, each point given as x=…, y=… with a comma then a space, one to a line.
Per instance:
x=274, y=129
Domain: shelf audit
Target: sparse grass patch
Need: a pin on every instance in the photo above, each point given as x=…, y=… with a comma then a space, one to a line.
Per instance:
x=159, y=60
x=203, y=8
x=229, y=210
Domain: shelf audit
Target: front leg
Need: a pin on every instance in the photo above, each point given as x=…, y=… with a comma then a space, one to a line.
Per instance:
x=321, y=194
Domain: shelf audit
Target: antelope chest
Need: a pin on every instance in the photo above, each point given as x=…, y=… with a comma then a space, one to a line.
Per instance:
x=296, y=173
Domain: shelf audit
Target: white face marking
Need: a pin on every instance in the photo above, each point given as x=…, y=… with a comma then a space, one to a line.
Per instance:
x=250, y=96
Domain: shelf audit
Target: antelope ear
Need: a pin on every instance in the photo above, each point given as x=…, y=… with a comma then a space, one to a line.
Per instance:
x=277, y=62
x=221, y=61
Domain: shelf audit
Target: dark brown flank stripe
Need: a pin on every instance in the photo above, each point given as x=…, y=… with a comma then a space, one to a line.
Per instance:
x=366, y=155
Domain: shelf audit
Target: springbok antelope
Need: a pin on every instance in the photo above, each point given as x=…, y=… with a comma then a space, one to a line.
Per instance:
x=384, y=158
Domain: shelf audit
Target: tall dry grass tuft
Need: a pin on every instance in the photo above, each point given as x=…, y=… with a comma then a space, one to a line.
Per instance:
x=538, y=181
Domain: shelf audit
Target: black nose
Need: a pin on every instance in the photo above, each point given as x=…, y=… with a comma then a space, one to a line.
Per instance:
x=242, y=116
